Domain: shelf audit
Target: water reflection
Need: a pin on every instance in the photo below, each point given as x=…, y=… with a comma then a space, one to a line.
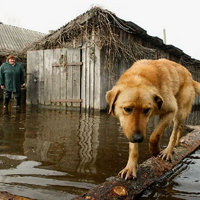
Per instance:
x=181, y=183
x=65, y=140
x=59, y=150
x=57, y=153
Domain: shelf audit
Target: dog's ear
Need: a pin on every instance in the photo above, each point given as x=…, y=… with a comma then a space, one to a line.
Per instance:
x=111, y=97
x=159, y=101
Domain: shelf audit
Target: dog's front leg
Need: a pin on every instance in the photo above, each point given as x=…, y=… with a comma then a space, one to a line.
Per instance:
x=129, y=172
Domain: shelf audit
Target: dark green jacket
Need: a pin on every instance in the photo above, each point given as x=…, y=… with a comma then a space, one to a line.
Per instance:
x=12, y=77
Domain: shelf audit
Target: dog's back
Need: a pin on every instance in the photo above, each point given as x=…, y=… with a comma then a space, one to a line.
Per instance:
x=165, y=75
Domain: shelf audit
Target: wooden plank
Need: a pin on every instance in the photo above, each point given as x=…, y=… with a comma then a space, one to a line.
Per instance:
x=87, y=81
x=92, y=71
x=97, y=78
x=69, y=76
x=76, y=77
x=56, y=76
x=67, y=100
x=32, y=73
x=35, y=74
x=73, y=76
x=48, y=61
x=75, y=63
x=83, y=75
x=28, y=77
x=68, y=64
x=63, y=79
x=41, y=77
x=6, y=195
x=104, y=80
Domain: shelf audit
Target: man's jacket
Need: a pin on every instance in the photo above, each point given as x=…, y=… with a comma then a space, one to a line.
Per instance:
x=12, y=77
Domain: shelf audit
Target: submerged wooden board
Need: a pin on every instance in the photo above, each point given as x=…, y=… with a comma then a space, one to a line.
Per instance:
x=8, y=196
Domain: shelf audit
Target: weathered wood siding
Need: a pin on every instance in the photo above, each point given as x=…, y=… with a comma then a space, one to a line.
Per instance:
x=56, y=77
x=195, y=71
x=59, y=82
x=52, y=75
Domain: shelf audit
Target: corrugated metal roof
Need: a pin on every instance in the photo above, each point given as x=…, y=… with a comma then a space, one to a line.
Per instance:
x=15, y=38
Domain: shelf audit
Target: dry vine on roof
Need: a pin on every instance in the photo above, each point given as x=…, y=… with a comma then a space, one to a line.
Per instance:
x=102, y=29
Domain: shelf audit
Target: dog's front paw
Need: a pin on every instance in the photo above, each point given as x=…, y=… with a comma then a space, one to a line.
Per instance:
x=128, y=173
x=166, y=154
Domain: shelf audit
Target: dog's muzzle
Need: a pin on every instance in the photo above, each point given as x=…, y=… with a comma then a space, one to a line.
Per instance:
x=137, y=138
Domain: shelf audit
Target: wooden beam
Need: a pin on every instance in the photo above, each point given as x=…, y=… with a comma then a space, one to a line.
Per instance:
x=75, y=64
x=67, y=64
x=67, y=100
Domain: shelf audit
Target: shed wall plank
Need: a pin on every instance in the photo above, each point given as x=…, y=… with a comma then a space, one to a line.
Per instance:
x=41, y=77
x=83, y=78
x=56, y=76
x=63, y=80
x=76, y=76
x=87, y=81
x=97, y=79
x=48, y=56
x=69, y=77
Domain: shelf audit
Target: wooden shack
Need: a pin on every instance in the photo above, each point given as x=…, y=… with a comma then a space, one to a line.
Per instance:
x=75, y=65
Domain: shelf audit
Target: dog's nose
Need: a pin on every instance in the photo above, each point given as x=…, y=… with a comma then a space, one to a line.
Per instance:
x=138, y=137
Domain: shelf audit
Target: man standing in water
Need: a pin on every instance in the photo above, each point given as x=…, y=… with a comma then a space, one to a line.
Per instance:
x=11, y=80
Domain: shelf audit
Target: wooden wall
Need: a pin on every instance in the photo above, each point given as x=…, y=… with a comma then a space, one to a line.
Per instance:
x=54, y=76
x=64, y=77
x=63, y=84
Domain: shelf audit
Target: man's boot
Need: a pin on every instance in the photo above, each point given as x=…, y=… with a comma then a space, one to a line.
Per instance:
x=6, y=102
x=18, y=102
x=6, y=98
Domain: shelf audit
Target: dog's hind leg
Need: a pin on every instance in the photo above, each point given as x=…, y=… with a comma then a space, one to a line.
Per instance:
x=182, y=113
x=184, y=108
x=179, y=134
x=167, y=153
x=164, y=122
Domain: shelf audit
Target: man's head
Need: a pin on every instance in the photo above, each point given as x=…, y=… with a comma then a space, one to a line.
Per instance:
x=11, y=59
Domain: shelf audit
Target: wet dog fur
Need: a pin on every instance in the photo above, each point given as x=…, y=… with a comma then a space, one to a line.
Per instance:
x=151, y=87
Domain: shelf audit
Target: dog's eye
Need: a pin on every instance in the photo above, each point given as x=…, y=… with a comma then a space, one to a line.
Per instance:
x=146, y=110
x=128, y=110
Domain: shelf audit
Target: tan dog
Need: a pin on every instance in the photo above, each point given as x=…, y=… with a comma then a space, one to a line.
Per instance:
x=152, y=87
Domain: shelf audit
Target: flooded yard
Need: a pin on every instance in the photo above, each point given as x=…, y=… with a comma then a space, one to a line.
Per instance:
x=58, y=154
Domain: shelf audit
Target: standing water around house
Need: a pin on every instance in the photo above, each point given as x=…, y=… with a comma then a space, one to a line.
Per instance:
x=57, y=154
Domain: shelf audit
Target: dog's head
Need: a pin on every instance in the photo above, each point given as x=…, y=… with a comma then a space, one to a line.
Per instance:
x=133, y=106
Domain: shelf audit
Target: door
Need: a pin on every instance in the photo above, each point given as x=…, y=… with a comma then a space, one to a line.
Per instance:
x=66, y=77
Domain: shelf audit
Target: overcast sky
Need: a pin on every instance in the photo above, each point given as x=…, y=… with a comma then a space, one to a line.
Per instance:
x=180, y=18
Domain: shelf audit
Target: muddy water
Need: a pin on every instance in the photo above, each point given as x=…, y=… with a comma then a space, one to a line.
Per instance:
x=183, y=182
x=58, y=154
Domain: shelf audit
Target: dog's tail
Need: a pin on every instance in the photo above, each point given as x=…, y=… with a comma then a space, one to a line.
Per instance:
x=196, y=87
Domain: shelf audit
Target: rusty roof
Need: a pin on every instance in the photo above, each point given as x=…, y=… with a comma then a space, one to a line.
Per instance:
x=13, y=38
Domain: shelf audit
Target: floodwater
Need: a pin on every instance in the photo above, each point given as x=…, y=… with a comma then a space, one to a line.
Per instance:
x=59, y=154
